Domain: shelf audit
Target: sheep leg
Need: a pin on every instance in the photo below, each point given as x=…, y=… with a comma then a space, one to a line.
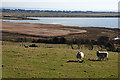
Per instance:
x=102, y=57
x=99, y=58
x=78, y=60
x=107, y=58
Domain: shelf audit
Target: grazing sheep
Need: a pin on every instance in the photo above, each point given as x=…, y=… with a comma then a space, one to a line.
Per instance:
x=26, y=46
x=102, y=55
x=80, y=56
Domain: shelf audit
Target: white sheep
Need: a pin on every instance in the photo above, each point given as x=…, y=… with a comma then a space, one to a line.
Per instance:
x=102, y=55
x=80, y=56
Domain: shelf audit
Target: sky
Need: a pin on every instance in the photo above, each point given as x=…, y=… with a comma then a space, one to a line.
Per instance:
x=79, y=5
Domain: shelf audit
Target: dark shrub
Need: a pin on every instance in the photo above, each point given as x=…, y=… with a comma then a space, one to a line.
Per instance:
x=87, y=41
x=55, y=40
x=23, y=40
x=78, y=42
x=33, y=45
x=33, y=41
x=70, y=43
x=39, y=41
x=118, y=50
x=93, y=42
x=103, y=40
x=110, y=46
x=62, y=40
x=19, y=40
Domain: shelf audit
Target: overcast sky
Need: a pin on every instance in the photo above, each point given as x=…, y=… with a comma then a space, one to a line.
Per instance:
x=94, y=5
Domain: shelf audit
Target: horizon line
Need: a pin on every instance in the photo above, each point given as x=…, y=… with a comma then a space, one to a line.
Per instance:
x=60, y=9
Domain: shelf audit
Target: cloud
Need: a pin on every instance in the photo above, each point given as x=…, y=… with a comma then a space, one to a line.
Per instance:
x=63, y=4
x=105, y=1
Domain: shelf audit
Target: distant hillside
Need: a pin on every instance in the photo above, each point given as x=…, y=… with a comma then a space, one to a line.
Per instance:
x=52, y=11
x=55, y=13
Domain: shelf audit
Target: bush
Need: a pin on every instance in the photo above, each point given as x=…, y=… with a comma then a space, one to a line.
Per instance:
x=33, y=45
x=103, y=40
x=55, y=40
x=62, y=40
x=33, y=41
x=118, y=50
x=93, y=42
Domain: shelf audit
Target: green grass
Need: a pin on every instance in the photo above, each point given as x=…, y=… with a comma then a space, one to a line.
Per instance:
x=50, y=61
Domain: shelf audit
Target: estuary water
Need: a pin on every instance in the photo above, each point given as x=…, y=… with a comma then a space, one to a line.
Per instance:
x=73, y=21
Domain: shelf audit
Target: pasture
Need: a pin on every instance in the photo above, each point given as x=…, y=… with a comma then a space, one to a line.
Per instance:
x=50, y=61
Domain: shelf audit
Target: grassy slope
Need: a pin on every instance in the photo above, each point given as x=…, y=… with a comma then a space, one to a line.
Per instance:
x=44, y=62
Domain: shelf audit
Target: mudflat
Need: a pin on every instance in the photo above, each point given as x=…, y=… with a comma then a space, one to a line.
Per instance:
x=36, y=29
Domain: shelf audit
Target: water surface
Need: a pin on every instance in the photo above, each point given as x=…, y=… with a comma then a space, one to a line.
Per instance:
x=81, y=22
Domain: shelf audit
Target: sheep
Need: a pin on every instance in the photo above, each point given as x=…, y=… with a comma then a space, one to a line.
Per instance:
x=26, y=46
x=102, y=55
x=80, y=56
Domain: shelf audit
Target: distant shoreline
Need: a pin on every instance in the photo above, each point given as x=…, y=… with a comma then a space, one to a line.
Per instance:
x=55, y=14
x=16, y=18
x=26, y=18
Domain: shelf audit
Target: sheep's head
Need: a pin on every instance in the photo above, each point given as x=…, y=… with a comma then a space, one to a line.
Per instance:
x=97, y=51
x=78, y=52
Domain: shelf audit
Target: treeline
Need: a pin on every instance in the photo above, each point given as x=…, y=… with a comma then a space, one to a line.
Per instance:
x=51, y=11
x=103, y=42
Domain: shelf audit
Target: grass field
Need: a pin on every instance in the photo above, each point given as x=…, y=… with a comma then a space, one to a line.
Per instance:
x=48, y=14
x=50, y=61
